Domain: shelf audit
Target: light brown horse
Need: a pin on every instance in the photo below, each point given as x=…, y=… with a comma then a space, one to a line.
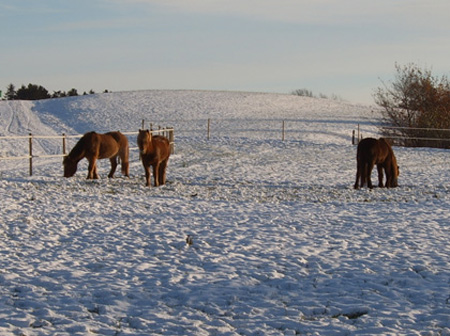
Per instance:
x=373, y=152
x=154, y=151
x=93, y=146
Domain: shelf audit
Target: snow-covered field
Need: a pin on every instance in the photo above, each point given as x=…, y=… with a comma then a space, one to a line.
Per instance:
x=282, y=244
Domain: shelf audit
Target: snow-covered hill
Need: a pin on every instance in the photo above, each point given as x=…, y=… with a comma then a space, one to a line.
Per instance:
x=125, y=110
x=282, y=244
x=230, y=113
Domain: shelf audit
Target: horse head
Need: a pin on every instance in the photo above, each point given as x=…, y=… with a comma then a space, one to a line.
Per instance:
x=144, y=141
x=70, y=167
x=396, y=173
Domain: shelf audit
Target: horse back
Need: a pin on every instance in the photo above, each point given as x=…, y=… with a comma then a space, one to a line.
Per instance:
x=372, y=150
x=367, y=150
x=162, y=145
x=121, y=139
x=106, y=145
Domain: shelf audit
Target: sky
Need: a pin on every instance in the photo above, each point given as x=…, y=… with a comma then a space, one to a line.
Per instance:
x=346, y=48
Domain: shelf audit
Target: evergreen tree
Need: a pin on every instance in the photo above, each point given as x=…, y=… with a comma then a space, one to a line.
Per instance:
x=72, y=93
x=32, y=92
x=11, y=93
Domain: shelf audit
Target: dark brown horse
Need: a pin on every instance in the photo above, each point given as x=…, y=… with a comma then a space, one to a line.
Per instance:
x=373, y=152
x=154, y=151
x=93, y=146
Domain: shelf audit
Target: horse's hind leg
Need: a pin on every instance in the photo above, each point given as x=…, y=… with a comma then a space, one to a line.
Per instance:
x=113, y=161
x=358, y=181
x=369, y=175
x=124, y=163
x=125, y=168
x=162, y=172
x=156, y=174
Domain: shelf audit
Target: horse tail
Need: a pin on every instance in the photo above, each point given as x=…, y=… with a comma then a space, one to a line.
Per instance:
x=124, y=155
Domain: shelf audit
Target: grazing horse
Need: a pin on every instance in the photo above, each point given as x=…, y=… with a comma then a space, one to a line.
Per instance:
x=93, y=146
x=154, y=151
x=376, y=152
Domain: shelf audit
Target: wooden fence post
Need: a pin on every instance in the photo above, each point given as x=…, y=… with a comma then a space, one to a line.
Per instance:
x=64, y=143
x=171, y=137
x=209, y=128
x=358, y=134
x=30, y=142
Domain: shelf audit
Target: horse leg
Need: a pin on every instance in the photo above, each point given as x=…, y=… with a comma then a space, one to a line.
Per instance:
x=156, y=173
x=363, y=174
x=92, y=169
x=369, y=174
x=389, y=177
x=147, y=174
x=125, y=168
x=124, y=164
x=113, y=161
x=388, y=181
x=162, y=172
x=358, y=177
x=96, y=176
x=380, y=176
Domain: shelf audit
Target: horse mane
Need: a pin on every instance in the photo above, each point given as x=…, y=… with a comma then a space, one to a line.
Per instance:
x=145, y=137
x=77, y=152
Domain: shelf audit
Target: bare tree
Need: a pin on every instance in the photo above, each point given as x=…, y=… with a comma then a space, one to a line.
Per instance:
x=413, y=103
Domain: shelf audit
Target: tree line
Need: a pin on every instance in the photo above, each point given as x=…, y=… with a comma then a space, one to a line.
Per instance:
x=37, y=92
x=309, y=93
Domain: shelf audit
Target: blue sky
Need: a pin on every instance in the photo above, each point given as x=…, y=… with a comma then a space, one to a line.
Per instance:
x=341, y=47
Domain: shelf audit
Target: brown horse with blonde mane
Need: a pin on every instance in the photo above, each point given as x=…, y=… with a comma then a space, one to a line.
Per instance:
x=154, y=151
x=94, y=146
x=373, y=152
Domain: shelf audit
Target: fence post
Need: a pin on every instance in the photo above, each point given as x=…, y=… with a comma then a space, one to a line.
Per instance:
x=171, y=139
x=143, y=124
x=209, y=128
x=64, y=143
x=30, y=142
x=282, y=138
